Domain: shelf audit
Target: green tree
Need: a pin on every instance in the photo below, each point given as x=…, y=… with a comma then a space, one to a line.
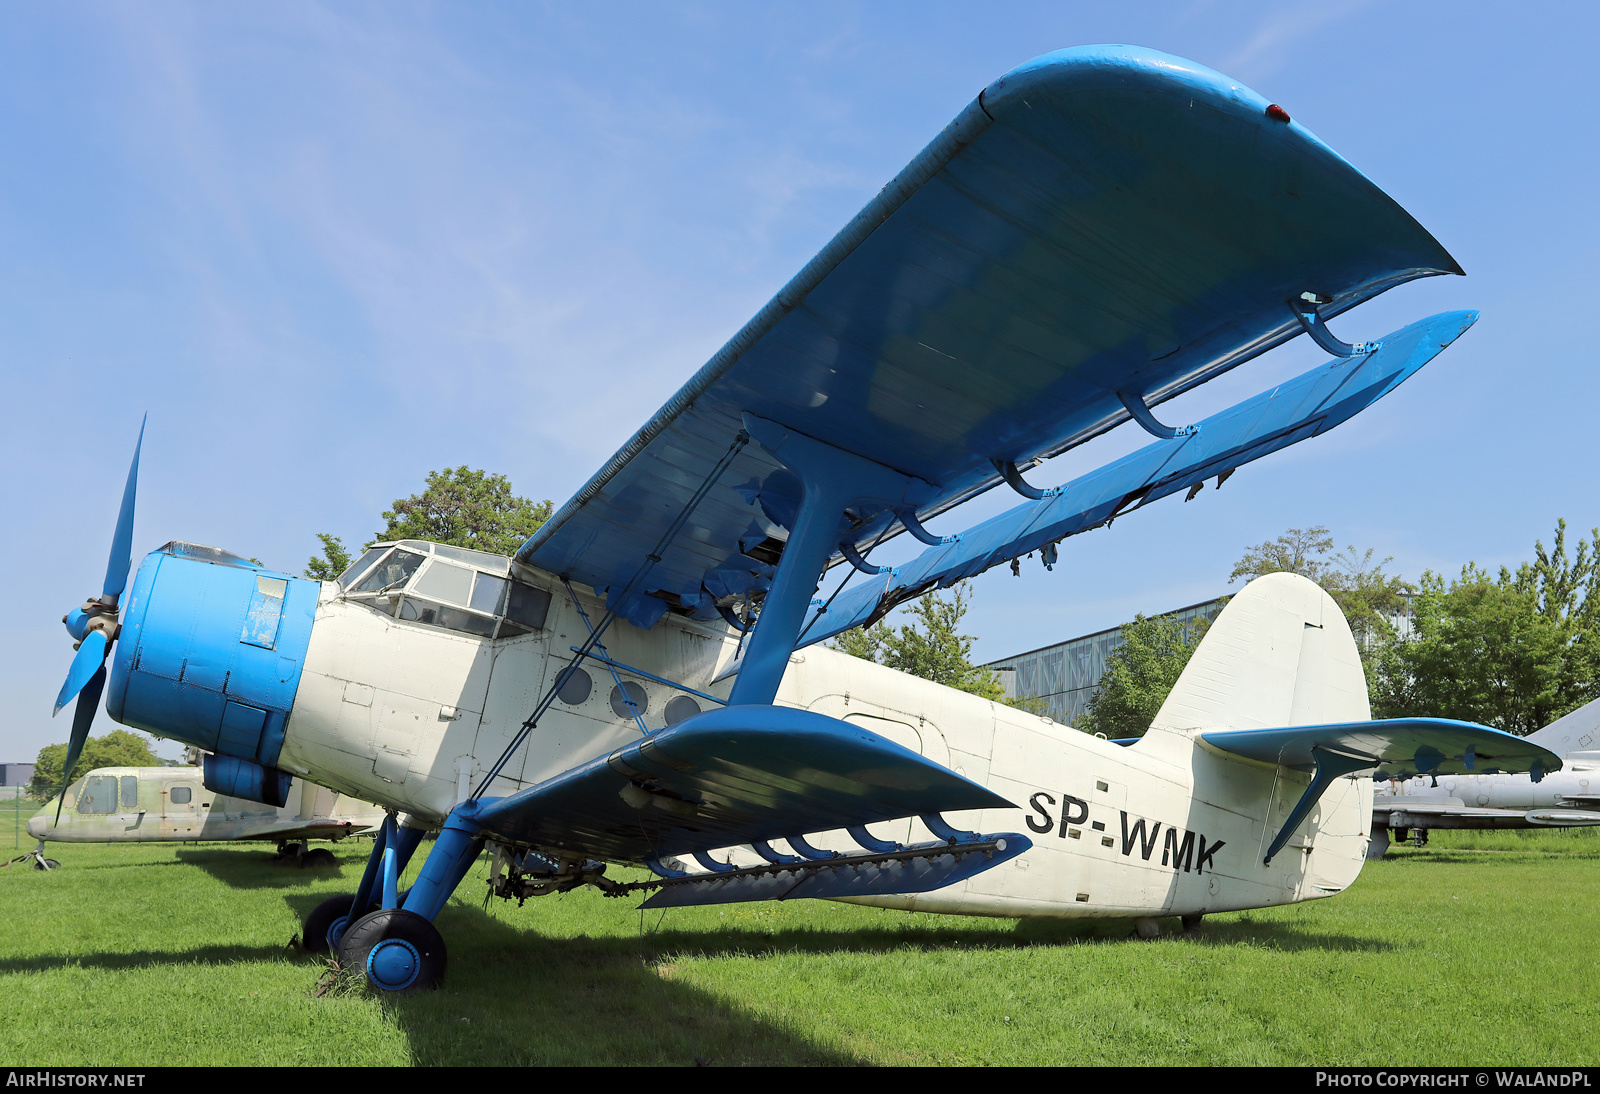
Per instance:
x=119, y=748
x=1516, y=651
x=466, y=508
x=335, y=559
x=459, y=506
x=931, y=646
x=1368, y=597
x=1140, y=673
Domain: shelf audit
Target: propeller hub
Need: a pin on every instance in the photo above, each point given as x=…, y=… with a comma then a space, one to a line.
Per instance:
x=95, y=615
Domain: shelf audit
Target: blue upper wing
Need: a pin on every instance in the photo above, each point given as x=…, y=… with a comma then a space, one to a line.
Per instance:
x=1100, y=219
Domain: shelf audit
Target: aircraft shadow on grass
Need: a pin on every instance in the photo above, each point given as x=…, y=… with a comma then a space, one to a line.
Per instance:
x=138, y=959
x=568, y=988
x=257, y=869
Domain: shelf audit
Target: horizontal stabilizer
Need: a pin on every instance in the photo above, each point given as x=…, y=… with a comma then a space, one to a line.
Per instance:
x=1306, y=406
x=917, y=869
x=731, y=776
x=1400, y=748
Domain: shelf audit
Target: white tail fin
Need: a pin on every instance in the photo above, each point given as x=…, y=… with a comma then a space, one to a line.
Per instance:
x=1279, y=655
x=1575, y=732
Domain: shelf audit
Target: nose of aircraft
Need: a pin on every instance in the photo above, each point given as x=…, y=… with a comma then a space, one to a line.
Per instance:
x=37, y=826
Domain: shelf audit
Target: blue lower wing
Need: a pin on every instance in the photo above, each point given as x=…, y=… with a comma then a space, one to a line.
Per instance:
x=1308, y=405
x=1398, y=747
x=730, y=776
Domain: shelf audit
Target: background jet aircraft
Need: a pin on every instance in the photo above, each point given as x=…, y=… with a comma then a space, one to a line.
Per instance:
x=1100, y=230
x=1568, y=798
x=166, y=804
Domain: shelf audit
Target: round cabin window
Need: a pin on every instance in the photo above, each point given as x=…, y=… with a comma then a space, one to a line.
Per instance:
x=681, y=707
x=575, y=688
x=623, y=693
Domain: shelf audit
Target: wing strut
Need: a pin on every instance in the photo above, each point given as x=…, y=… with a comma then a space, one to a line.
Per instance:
x=1330, y=765
x=1141, y=414
x=832, y=479
x=1305, y=309
x=605, y=658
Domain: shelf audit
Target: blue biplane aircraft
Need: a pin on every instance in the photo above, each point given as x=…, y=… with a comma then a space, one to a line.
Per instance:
x=1099, y=231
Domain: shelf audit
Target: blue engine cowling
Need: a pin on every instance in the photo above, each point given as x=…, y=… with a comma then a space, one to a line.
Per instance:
x=210, y=653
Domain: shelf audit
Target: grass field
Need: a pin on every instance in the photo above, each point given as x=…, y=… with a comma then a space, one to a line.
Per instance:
x=1475, y=950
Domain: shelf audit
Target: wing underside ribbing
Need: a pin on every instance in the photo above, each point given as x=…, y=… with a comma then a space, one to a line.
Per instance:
x=1100, y=227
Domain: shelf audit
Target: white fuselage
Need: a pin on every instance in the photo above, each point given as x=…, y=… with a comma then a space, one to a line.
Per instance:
x=413, y=716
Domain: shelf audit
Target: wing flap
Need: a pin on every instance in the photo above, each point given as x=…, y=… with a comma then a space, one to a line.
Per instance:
x=725, y=777
x=917, y=870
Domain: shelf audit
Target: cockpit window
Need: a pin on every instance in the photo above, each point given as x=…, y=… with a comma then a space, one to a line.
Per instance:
x=528, y=606
x=391, y=573
x=486, y=593
x=448, y=587
x=99, y=795
x=360, y=567
x=130, y=791
x=445, y=581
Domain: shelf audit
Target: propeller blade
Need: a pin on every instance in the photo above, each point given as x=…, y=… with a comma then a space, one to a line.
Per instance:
x=91, y=655
x=82, y=718
x=121, y=560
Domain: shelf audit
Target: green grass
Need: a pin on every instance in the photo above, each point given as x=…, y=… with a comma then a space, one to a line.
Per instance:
x=163, y=954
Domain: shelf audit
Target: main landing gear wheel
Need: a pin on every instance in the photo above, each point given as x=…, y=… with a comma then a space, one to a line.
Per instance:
x=318, y=856
x=326, y=924
x=397, y=949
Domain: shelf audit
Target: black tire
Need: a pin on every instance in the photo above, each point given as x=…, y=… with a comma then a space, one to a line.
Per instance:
x=314, y=938
x=318, y=856
x=47, y=864
x=398, y=950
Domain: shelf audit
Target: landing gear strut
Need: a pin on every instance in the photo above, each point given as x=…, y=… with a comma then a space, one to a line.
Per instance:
x=397, y=946
x=39, y=861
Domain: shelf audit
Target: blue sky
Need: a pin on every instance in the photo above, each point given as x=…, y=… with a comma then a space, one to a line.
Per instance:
x=332, y=247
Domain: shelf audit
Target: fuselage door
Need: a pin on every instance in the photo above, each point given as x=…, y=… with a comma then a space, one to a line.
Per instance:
x=181, y=814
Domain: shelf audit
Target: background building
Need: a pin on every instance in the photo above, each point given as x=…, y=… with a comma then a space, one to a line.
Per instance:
x=1067, y=674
